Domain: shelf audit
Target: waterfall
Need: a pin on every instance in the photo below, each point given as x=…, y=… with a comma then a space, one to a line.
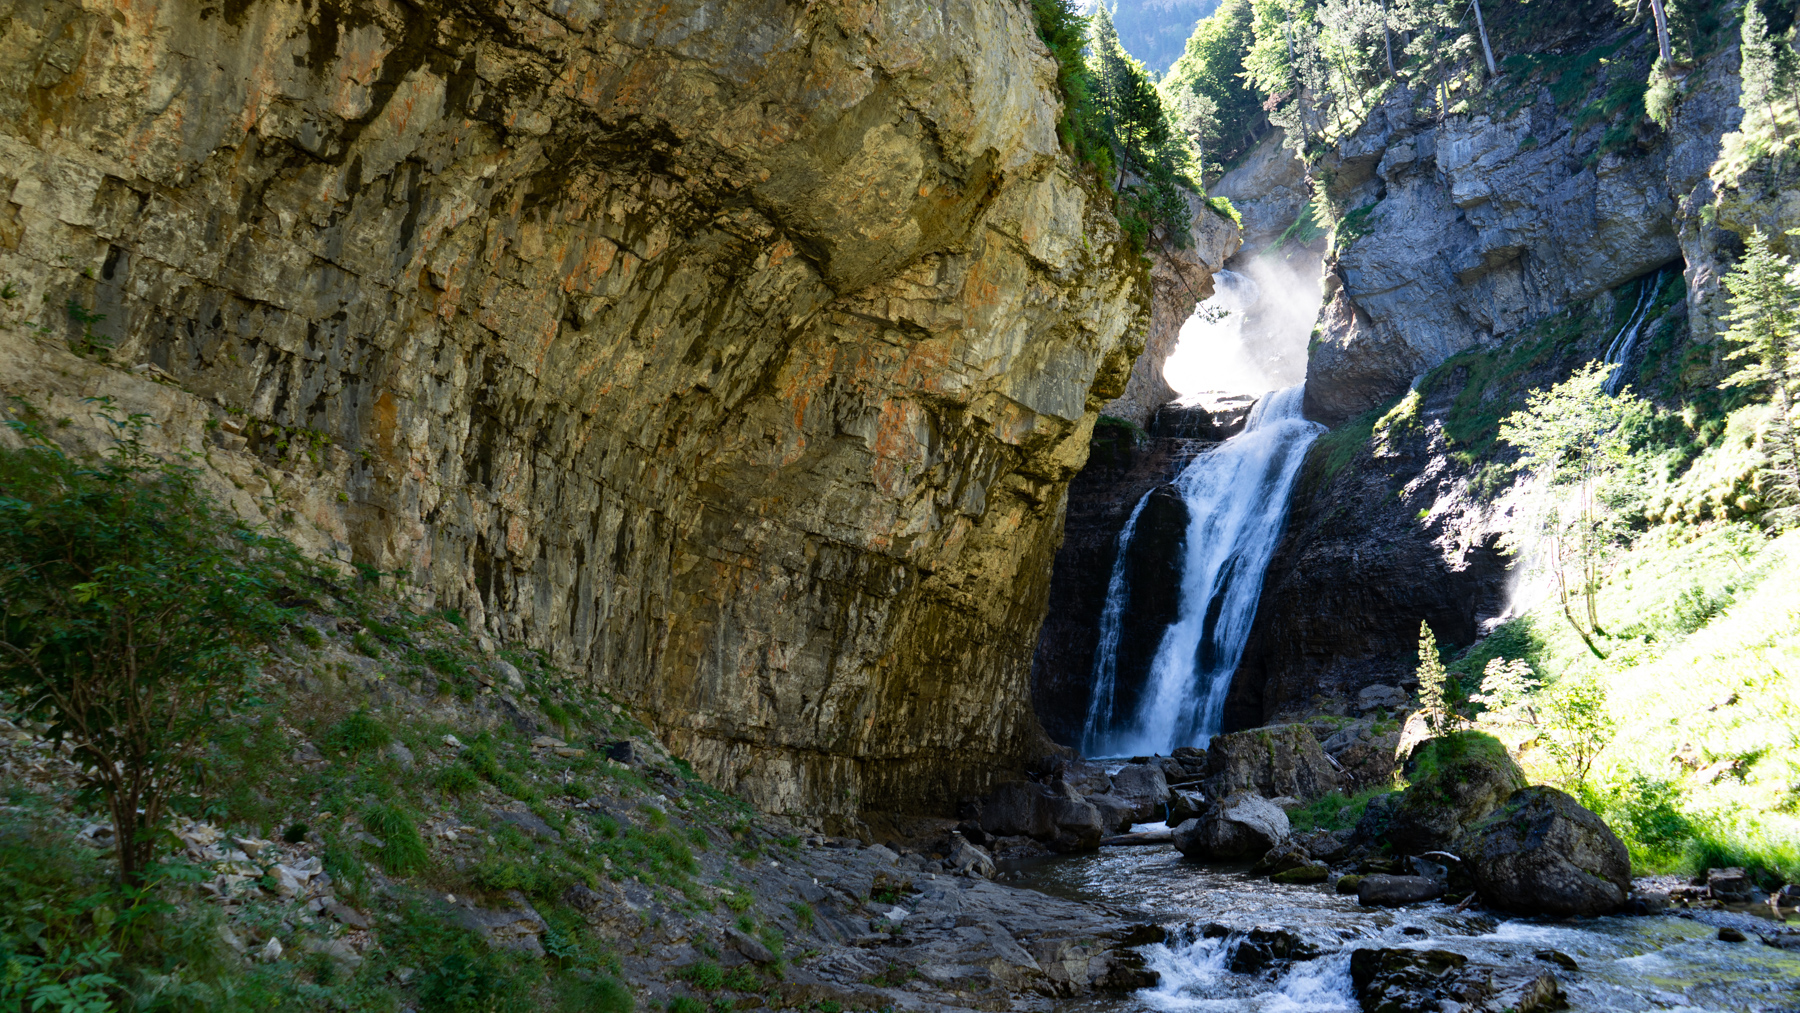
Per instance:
x=1620, y=348
x=1112, y=617
x=1237, y=500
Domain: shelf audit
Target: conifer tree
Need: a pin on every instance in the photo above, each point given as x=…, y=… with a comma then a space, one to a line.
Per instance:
x=1431, y=682
x=1765, y=327
x=1757, y=70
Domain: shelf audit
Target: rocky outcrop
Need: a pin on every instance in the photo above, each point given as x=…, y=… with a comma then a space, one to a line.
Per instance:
x=1181, y=276
x=1543, y=853
x=736, y=356
x=1402, y=980
x=1243, y=826
x=1269, y=188
x=1457, y=780
x=1472, y=227
x=1274, y=761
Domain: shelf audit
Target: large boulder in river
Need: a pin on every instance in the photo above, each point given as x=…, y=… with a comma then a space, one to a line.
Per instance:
x=1273, y=761
x=1457, y=780
x=1017, y=809
x=1116, y=815
x=1059, y=817
x=1543, y=853
x=1381, y=890
x=1243, y=826
x=1143, y=787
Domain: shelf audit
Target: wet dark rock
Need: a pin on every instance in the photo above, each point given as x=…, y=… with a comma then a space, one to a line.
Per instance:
x=1116, y=815
x=1347, y=884
x=1017, y=809
x=1242, y=826
x=1084, y=776
x=1281, y=858
x=1559, y=958
x=1273, y=761
x=1727, y=934
x=1143, y=787
x=1542, y=853
x=1457, y=780
x=1316, y=872
x=1380, y=890
x=1377, y=815
x=1730, y=886
x=1077, y=824
x=1185, y=805
x=1440, y=981
x=968, y=859
x=1266, y=945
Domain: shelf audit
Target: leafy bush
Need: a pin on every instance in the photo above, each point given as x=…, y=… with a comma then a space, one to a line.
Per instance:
x=459, y=973
x=405, y=851
x=359, y=733
x=132, y=636
x=702, y=974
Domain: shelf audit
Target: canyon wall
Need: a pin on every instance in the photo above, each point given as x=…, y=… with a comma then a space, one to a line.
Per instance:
x=1516, y=228
x=738, y=356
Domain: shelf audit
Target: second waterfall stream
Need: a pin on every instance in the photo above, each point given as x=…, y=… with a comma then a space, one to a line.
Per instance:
x=1237, y=500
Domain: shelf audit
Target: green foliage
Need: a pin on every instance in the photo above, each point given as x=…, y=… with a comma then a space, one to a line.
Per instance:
x=1304, y=232
x=1205, y=88
x=1334, y=810
x=458, y=972
x=366, y=644
x=309, y=635
x=358, y=734
x=1573, y=440
x=457, y=779
x=1431, y=677
x=1063, y=29
x=1579, y=725
x=133, y=637
x=1142, y=138
x=1765, y=328
x=601, y=994
x=703, y=975
x=684, y=1004
x=803, y=914
x=405, y=852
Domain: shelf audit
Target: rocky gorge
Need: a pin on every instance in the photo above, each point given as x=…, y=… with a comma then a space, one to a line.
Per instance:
x=756, y=557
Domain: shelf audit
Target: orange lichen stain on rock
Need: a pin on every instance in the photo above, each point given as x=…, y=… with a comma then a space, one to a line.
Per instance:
x=927, y=365
x=595, y=259
x=896, y=445
x=978, y=291
x=384, y=425
x=813, y=372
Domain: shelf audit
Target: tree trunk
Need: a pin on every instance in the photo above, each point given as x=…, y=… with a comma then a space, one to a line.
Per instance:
x=1662, y=31
x=1486, y=50
x=1387, y=38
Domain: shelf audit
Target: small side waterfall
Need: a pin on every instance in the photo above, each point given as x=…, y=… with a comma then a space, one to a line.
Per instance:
x=1622, y=343
x=1237, y=500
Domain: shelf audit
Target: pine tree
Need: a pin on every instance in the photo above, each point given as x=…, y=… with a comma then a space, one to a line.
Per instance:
x=1765, y=326
x=1757, y=70
x=1431, y=682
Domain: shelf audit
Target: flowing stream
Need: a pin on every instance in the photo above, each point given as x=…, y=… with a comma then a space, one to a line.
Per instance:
x=1237, y=499
x=1624, y=963
x=1619, y=349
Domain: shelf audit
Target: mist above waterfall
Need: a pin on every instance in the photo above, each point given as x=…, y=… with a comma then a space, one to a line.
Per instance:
x=1251, y=335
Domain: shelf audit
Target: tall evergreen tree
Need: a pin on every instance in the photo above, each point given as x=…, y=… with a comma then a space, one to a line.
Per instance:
x=1765, y=327
x=1757, y=70
x=1432, y=677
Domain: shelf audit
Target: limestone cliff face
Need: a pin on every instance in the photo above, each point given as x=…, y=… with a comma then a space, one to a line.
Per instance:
x=1475, y=238
x=1476, y=226
x=738, y=355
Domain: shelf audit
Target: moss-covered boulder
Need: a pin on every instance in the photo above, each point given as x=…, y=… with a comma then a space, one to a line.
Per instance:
x=1274, y=761
x=1543, y=853
x=1456, y=781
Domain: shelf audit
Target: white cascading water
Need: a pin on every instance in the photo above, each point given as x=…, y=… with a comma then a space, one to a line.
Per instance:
x=1237, y=500
x=1622, y=343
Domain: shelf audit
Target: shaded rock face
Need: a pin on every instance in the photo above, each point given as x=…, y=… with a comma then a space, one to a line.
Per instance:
x=1543, y=853
x=1274, y=761
x=1269, y=188
x=1120, y=470
x=1477, y=231
x=737, y=356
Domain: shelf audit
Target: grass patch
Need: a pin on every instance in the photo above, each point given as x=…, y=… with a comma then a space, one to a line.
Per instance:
x=1333, y=811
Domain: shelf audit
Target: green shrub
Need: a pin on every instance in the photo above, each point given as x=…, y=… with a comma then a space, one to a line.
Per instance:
x=602, y=994
x=803, y=914
x=405, y=852
x=1333, y=811
x=309, y=635
x=359, y=733
x=457, y=779
x=458, y=972
x=366, y=644
x=683, y=1004
x=702, y=974
x=133, y=637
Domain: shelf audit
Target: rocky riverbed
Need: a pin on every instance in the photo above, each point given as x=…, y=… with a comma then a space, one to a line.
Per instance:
x=1239, y=942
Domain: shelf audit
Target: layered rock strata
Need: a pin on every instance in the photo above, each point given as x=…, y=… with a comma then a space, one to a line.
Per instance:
x=737, y=356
